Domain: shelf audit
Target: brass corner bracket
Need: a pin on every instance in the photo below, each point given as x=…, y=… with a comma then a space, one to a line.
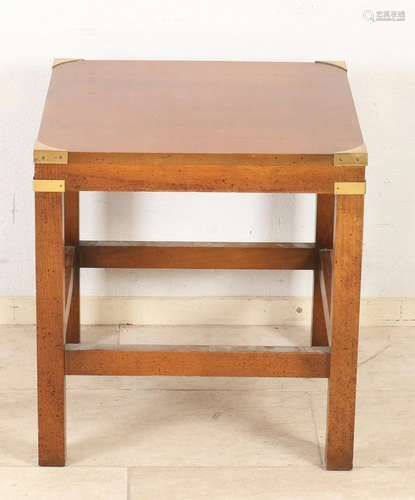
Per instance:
x=351, y=157
x=338, y=64
x=59, y=61
x=48, y=186
x=49, y=154
x=350, y=188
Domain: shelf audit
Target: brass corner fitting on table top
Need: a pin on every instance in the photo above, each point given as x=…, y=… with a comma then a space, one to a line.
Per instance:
x=338, y=64
x=48, y=186
x=351, y=157
x=350, y=188
x=48, y=154
x=59, y=61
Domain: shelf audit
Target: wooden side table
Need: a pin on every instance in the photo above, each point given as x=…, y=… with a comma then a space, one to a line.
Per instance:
x=205, y=127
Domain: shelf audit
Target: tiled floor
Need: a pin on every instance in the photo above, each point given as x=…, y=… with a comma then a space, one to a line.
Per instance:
x=190, y=439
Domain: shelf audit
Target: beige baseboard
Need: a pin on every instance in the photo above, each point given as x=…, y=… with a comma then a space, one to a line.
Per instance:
x=375, y=311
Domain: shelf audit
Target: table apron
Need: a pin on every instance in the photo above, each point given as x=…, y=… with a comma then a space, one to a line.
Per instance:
x=203, y=178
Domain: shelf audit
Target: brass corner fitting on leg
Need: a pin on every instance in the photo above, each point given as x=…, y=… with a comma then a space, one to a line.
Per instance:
x=350, y=188
x=48, y=186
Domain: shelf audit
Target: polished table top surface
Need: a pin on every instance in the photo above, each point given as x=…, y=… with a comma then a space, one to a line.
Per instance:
x=206, y=108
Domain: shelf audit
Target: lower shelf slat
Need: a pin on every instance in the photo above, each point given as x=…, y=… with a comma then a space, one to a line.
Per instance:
x=190, y=255
x=197, y=361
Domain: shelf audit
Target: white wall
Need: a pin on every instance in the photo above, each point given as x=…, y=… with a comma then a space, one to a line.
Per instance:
x=381, y=62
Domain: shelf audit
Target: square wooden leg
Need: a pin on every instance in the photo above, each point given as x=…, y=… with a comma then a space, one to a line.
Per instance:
x=50, y=286
x=72, y=239
x=324, y=240
x=345, y=329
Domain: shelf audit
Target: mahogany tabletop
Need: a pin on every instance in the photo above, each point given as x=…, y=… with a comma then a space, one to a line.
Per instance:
x=173, y=108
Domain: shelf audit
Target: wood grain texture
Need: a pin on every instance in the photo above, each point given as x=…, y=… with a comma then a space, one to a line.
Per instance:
x=208, y=178
x=72, y=239
x=197, y=361
x=182, y=255
x=50, y=299
x=347, y=258
x=282, y=160
x=324, y=239
x=200, y=107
